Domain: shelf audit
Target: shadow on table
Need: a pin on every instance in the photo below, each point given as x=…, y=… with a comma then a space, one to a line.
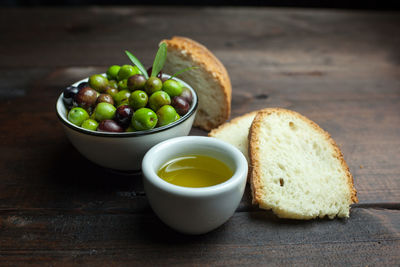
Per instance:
x=71, y=169
x=74, y=184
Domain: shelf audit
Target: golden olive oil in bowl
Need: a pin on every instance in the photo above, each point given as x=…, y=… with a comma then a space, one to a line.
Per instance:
x=195, y=171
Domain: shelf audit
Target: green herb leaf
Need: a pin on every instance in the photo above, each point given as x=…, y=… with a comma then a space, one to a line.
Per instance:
x=137, y=63
x=182, y=71
x=159, y=60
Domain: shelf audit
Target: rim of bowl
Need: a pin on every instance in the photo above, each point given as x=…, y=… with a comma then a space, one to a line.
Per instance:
x=72, y=126
x=240, y=163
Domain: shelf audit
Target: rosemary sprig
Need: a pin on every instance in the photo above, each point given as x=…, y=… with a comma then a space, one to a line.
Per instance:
x=159, y=60
x=158, y=63
x=137, y=63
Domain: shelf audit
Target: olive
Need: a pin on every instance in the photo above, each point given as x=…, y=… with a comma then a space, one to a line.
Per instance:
x=164, y=79
x=159, y=75
x=125, y=102
x=180, y=104
x=77, y=116
x=187, y=94
x=112, y=92
x=152, y=85
x=109, y=126
x=144, y=119
x=126, y=71
x=123, y=84
x=105, y=98
x=92, y=116
x=166, y=115
x=123, y=116
x=172, y=87
x=90, y=124
x=104, y=111
x=112, y=84
x=136, y=82
x=138, y=99
x=112, y=72
x=159, y=99
x=86, y=98
x=69, y=94
x=83, y=85
x=98, y=82
x=138, y=71
x=130, y=129
x=122, y=97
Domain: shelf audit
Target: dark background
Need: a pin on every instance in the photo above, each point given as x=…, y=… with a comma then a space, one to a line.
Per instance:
x=367, y=4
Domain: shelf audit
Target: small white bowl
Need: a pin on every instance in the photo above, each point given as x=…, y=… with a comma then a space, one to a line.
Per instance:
x=194, y=210
x=123, y=151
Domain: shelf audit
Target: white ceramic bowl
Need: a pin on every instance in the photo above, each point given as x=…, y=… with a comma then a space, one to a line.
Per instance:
x=122, y=151
x=194, y=210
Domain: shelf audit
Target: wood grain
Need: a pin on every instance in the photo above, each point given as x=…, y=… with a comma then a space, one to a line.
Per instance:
x=339, y=68
x=370, y=235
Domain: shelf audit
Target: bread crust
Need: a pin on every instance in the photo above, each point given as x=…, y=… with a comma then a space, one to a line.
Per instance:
x=204, y=58
x=254, y=139
x=234, y=121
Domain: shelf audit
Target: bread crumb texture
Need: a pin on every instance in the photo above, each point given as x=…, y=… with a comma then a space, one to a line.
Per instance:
x=210, y=81
x=297, y=170
x=235, y=132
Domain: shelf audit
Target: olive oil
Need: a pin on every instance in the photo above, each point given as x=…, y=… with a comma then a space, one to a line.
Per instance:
x=195, y=171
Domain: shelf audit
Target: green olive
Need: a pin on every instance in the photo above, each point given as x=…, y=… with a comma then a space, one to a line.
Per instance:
x=172, y=87
x=123, y=103
x=137, y=70
x=112, y=72
x=126, y=71
x=138, y=99
x=123, y=84
x=104, y=111
x=122, y=97
x=166, y=115
x=144, y=119
x=159, y=99
x=152, y=85
x=112, y=84
x=77, y=116
x=90, y=124
x=130, y=129
x=112, y=92
x=98, y=82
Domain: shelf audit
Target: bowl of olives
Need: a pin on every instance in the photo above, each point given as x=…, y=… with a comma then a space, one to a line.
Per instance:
x=114, y=118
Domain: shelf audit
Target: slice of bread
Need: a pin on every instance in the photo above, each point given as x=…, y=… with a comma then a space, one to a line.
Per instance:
x=210, y=81
x=236, y=132
x=297, y=170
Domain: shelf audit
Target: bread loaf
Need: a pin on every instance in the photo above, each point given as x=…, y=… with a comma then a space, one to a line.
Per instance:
x=210, y=80
x=236, y=132
x=297, y=170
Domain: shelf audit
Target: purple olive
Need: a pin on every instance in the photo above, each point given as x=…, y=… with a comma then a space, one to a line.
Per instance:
x=187, y=95
x=83, y=85
x=68, y=95
x=123, y=116
x=86, y=98
x=109, y=126
x=136, y=82
x=105, y=98
x=159, y=75
x=180, y=104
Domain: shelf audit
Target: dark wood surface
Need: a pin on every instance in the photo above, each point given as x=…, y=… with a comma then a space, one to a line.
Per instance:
x=339, y=68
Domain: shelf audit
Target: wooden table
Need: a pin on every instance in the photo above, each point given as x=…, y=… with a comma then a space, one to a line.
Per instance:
x=339, y=68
